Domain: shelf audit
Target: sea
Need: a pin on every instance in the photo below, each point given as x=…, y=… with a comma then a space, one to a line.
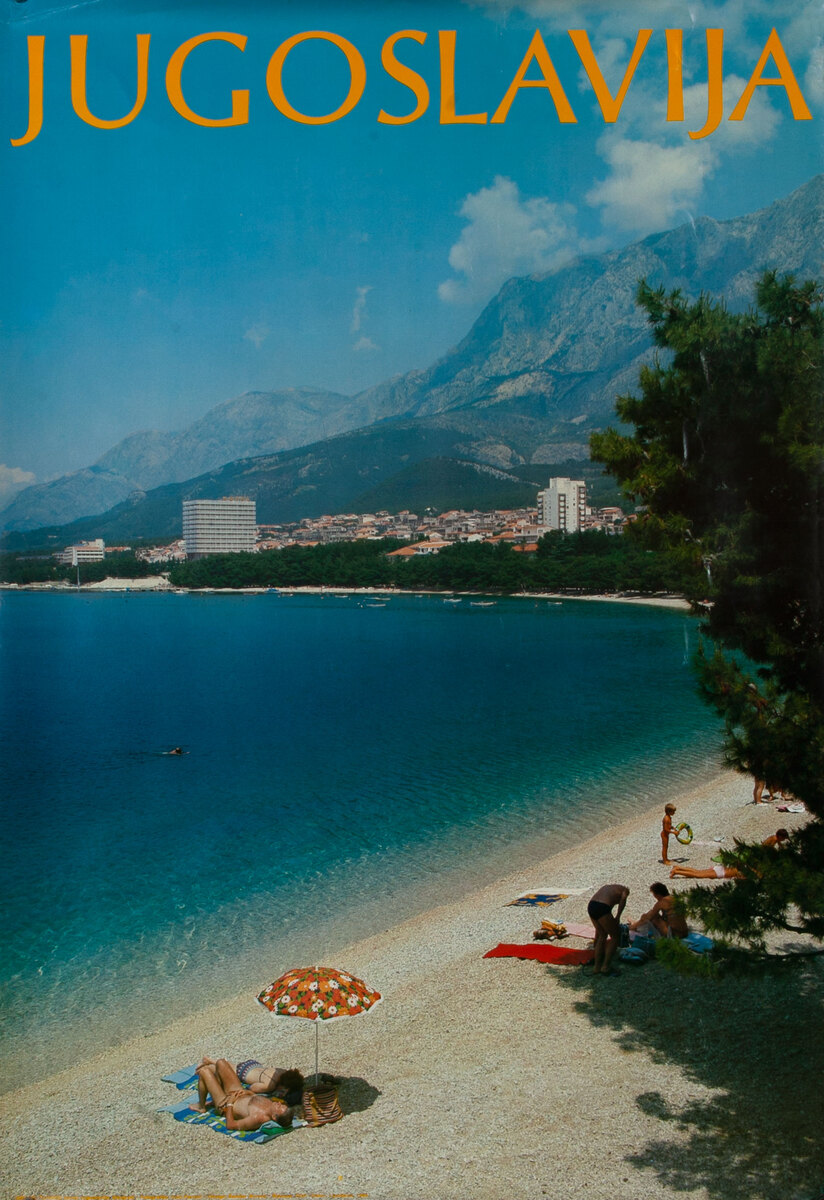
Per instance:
x=349, y=761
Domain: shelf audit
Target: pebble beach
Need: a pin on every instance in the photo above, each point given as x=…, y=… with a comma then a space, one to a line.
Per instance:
x=489, y=1079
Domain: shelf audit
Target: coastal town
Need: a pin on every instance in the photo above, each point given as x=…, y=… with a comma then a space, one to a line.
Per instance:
x=229, y=525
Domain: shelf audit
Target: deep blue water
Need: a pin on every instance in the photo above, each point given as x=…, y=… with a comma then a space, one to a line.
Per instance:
x=346, y=765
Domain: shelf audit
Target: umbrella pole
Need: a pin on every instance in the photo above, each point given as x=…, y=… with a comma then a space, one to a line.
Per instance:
x=317, y=1076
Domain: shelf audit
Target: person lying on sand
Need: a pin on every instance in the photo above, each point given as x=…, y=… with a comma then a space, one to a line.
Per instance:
x=607, y=929
x=240, y=1108
x=662, y=916
x=717, y=872
x=272, y=1081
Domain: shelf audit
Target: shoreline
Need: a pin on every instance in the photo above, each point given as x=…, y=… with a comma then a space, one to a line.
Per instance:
x=513, y=1059
x=158, y=584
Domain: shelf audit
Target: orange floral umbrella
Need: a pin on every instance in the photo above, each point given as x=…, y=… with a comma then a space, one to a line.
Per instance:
x=318, y=994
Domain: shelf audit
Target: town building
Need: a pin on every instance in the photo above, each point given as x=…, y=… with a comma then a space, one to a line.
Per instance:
x=83, y=552
x=225, y=526
x=563, y=505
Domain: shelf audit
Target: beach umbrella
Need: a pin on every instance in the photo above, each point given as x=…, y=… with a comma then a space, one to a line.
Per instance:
x=318, y=994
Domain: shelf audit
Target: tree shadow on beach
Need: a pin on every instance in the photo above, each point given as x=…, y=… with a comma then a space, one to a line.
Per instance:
x=758, y=1044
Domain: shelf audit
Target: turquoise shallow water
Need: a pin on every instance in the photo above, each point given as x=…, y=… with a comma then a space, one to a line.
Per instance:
x=347, y=765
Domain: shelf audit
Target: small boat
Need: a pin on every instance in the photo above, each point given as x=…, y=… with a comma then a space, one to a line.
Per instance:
x=483, y=603
x=453, y=600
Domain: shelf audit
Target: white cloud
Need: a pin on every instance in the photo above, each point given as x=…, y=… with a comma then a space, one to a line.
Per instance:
x=359, y=308
x=657, y=172
x=365, y=344
x=744, y=22
x=506, y=235
x=14, y=479
x=257, y=335
x=813, y=82
x=649, y=184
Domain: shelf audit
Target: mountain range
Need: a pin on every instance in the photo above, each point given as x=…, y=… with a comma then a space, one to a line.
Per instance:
x=538, y=370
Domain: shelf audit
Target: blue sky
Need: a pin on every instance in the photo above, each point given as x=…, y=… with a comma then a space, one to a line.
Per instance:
x=155, y=270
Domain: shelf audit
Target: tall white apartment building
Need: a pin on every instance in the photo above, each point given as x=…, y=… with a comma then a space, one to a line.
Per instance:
x=226, y=526
x=563, y=505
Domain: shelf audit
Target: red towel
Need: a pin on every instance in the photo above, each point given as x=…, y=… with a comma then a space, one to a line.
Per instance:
x=543, y=953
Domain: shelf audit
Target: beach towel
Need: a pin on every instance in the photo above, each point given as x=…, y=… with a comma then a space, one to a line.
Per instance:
x=186, y=1077
x=699, y=942
x=542, y=952
x=577, y=930
x=546, y=895
x=181, y=1111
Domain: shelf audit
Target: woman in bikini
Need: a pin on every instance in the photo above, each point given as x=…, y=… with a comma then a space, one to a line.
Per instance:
x=716, y=872
x=271, y=1081
x=662, y=917
x=241, y=1109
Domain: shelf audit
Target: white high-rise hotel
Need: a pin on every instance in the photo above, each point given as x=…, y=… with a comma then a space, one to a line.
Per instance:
x=563, y=505
x=225, y=526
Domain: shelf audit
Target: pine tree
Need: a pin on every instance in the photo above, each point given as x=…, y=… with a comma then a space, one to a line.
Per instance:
x=727, y=462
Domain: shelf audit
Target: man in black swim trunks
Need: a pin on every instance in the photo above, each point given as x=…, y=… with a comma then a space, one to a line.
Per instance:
x=607, y=929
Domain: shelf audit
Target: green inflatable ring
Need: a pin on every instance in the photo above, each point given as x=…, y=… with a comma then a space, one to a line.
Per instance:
x=683, y=833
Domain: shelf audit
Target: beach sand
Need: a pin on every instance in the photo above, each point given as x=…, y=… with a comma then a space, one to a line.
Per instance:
x=482, y=1079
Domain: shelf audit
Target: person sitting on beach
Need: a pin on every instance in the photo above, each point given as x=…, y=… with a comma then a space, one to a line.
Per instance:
x=716, y=872
x=607, y=929
x=271, y=1081
x=666, y=830
x=662, y=917
x=240, y=1108
x=776, y=839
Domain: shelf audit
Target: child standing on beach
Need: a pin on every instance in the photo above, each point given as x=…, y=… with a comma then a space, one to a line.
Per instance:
x=666, y=830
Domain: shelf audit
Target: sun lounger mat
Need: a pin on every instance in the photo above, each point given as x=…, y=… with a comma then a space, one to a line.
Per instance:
x=562, y=955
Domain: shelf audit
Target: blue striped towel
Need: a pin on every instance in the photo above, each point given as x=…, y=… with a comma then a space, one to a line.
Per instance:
x=181, y=1110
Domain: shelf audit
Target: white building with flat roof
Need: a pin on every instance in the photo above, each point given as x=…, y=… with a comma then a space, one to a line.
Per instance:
x=563, y=505
x=226, y=526
x=83, y=552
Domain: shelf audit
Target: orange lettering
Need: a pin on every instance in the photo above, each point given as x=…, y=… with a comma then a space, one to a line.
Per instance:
x=610, y=106
x=539, y=52
x=675, y=75
x=174, y=90
x=79, y=46
x=404, y=75
x=446, y=43
x=785, y=79
x=36, y=51
x=274, y=77
x=715, y=83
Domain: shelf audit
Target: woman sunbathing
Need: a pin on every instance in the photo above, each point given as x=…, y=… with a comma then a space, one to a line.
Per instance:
x=718, y=872
x=272, y=1081
x=241, y=1109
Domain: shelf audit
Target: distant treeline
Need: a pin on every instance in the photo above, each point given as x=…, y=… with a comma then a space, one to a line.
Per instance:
x=19, y=568
x=578, y=562
x=581, y=562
